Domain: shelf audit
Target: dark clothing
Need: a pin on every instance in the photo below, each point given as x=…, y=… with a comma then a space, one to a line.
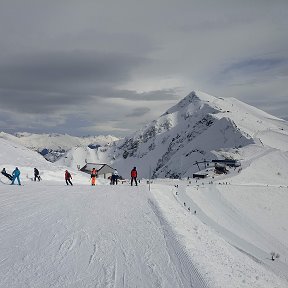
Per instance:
x=114, y=179
x=36, y=174
x=68, y=181
x=3, y=172
x=67, y=175
x=135, y=179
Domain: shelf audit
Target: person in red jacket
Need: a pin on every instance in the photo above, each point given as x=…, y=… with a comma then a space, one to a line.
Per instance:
x=134, y=176
x=68, y=177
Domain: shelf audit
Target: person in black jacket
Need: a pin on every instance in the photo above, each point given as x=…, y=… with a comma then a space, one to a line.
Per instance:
x=3, y=172
x=36, y=174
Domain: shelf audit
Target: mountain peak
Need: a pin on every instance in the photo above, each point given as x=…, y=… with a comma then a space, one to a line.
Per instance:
x=197, y=98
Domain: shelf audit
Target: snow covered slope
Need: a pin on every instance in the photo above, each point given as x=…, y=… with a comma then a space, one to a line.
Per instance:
x=79, y=156
x=15, y=155
x=54, y=146
x=200, y=127
x=53, y=235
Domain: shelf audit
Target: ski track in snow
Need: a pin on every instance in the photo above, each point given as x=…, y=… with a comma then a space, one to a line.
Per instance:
x=239, y=222
x=82, y=236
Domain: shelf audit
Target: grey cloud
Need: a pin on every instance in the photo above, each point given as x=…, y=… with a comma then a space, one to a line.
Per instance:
x=252, y=71
x=256, y=65
x=157, y=95
x=137, y=112
x=38, y=102
x=49, y=82
x=52, y=71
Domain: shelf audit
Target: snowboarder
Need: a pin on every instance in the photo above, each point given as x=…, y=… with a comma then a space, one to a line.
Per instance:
x=36, y=174
x=16, y=174
x=3, y=172
x=115, y=177
x=68, y=177
x=93, y=176
x=134, y=176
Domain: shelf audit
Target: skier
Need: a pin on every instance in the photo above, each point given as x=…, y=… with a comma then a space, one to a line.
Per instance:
x=68, y=177
x=3, y=172
x=115, y=177
x=16, y=174
x=134, y=176
x=93, y=176
x=36, y=174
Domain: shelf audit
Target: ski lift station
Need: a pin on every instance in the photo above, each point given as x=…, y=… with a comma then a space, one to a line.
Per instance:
x=200, y=175
x=103, y=170
x=228, y=162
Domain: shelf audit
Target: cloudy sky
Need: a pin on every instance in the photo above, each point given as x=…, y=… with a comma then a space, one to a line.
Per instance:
x=110, y=66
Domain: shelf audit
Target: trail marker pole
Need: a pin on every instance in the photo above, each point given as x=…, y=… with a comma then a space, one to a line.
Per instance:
x=149, y=177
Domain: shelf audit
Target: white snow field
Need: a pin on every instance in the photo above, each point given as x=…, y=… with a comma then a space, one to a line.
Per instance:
x=53, y=235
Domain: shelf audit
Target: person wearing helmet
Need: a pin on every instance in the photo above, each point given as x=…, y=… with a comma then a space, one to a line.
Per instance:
x=115, y=177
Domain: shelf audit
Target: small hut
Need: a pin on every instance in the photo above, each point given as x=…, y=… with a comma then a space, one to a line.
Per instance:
x=103, y=170
x=199, y=175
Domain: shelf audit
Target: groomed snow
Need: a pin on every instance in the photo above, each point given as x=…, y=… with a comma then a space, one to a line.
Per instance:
x=53, y=235
x=83, y=236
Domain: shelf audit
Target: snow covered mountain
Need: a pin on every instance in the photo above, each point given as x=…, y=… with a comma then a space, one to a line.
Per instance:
x=54, y=146
x=200, y=127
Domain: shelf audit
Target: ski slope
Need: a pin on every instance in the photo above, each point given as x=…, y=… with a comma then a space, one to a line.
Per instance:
x=53, y=235
x=83, y=236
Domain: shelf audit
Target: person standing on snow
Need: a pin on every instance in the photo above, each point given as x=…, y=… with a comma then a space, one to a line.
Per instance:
x=115, y=177
x=134, y=176
x=16, y=174
x=3, y=172
x=68, y=177
x=36, y=174
x=93, y=176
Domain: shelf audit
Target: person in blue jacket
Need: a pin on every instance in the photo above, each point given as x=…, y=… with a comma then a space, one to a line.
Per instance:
x=16, y=174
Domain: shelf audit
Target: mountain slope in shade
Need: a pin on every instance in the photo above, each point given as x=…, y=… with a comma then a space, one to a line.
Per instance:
x=54, y=146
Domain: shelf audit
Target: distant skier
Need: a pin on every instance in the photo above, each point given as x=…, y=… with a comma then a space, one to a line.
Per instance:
x=36, y=174
x=93, y=176
x=3, y=172
x=16, y=174
x=115, y=177
x=68, y=177
x=134, y=176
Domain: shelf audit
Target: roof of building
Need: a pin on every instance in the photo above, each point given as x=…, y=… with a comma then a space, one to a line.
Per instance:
x=100, y=167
